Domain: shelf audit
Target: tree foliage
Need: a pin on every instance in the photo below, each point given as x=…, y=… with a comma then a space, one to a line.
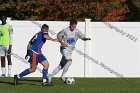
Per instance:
x=97, y=10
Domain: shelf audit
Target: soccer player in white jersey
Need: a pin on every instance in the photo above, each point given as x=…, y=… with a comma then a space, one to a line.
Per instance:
x=67, y=38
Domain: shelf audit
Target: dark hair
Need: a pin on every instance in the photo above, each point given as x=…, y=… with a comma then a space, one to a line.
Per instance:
x=3, y=14
x=44, y=25
x=73, y=21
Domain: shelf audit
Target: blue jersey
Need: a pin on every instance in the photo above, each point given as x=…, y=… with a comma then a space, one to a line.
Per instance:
x=38, y=41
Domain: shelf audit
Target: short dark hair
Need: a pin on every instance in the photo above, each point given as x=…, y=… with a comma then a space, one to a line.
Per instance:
x=44, y=25
x=73, y=21
x=3, y=14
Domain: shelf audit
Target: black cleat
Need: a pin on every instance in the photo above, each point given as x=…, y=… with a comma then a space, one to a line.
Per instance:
x=63, y=79
x=15, y=79
x=47, y=84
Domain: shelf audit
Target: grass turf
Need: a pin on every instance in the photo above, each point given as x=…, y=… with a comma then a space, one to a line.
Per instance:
x=82, y=85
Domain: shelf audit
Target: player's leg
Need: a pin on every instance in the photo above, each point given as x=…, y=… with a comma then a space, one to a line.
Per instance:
x=45, y=64
x=65, y=69
x=9, y=61
x=24, y=73
x=27, y=71
x=33, y=66
x=61, y=65
x=9, y=65
x=45, y=73
x=45, y=70
x=3, y=66
x=3, y=54
x=57, y=69
x=67, y=55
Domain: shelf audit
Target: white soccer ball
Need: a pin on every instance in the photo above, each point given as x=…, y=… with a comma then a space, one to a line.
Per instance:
x=70, y=80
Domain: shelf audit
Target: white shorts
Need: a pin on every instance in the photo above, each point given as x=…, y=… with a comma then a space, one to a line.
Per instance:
x=66, y=53
x=3, y=50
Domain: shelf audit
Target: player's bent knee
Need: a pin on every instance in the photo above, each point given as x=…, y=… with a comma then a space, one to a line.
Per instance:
x=45, y=64
x=33, y=68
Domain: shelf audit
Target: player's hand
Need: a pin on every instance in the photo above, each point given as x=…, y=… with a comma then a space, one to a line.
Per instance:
x=64, y=44
x=88, y=38
x=85, y=39
x=9, y=50
x=27, y=57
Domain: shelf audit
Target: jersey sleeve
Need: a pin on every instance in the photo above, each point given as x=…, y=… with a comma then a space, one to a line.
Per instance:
x=11, y=30
x=80, y=34
x=61, y=34
x=11, y=34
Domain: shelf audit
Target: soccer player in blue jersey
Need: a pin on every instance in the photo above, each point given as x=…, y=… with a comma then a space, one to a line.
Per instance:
x=36, y=56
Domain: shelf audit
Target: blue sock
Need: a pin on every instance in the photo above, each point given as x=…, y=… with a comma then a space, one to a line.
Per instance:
x=24, y=73
x=45, y=73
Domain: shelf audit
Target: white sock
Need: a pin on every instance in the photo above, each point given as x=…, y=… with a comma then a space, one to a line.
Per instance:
x=3, y=70
x=9, y=69
x=55, y=71
x=65, y=69
x=18, y=76
x=44, y=80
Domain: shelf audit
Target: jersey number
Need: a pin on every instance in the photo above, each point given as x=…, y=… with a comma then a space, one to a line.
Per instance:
x=34, y=38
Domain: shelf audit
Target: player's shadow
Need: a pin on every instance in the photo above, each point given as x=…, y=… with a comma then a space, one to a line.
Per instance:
x=57, y=81
x=31, y=80
x=8, y=82
x=39, y=82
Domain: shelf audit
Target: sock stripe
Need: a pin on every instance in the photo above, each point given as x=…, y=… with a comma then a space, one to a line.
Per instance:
x=34, y=58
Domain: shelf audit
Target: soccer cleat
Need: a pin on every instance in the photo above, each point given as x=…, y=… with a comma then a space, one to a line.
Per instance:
x=63, y=79
x=3, y=75
x=15, y=79
x=46, y=84
x=49, y=79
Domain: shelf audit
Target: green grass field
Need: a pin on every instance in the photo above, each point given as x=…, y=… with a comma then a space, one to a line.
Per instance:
x=82, y=85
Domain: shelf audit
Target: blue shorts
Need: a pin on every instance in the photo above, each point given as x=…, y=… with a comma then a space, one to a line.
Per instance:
x=36, y=58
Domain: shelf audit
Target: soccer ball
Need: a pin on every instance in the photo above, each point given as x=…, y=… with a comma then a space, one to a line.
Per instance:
x=70, y=80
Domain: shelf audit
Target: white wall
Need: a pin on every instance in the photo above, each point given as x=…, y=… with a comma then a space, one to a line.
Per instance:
x=107, y=46
x=114, y=50
x=23, y=32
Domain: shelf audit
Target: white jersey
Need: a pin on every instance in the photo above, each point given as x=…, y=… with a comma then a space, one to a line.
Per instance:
x=70, y=37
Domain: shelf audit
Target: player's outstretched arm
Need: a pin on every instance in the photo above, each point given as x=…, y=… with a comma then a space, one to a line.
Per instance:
x=82, y=36
x=49, y=38
x=11, y=39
